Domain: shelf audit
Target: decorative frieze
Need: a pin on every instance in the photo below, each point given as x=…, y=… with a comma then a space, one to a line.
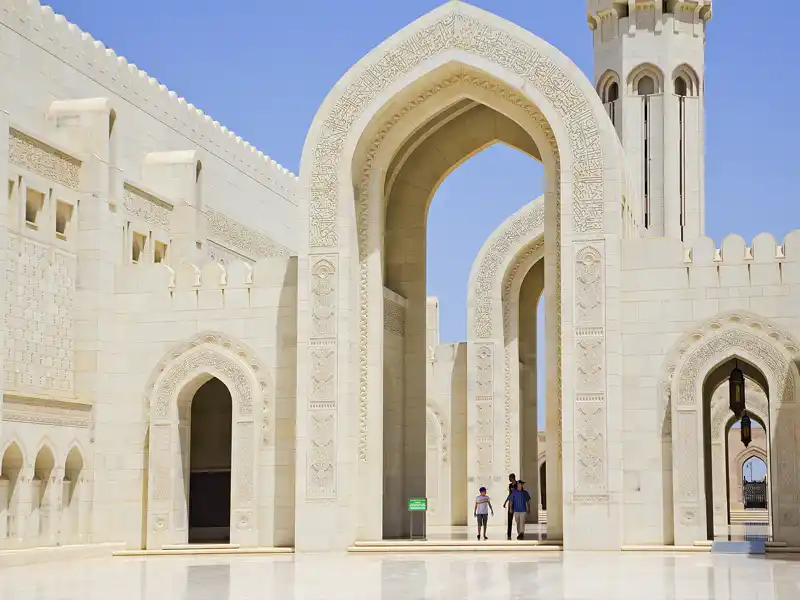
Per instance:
x=45, y=411
x=146, y=207
x=242, y=240
x=33, y=155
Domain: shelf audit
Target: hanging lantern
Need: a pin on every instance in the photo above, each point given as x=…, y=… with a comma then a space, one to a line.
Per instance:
x=736, y=383
x=747, y=430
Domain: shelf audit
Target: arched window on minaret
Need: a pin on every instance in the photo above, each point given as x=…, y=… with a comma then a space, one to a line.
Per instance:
x=608, y=90
x=646, y=82
x=685, y=84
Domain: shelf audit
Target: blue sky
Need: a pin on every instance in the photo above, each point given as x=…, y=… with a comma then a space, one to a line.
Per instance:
x=263, y=67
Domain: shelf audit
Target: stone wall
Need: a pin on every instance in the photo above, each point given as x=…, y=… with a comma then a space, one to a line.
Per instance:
x=670, y=293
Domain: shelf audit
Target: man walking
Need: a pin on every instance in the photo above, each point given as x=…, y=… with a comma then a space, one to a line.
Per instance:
x=519, y=501
x=512, y=485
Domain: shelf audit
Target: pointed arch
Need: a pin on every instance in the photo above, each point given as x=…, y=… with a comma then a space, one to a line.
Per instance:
x=685, y=81
x=638, y=75
x=754, y=340
x=454, y=55
x=170, y=390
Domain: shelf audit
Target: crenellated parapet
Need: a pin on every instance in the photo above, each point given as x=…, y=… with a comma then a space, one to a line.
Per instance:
x=735, y=263
x=56, y=35
x=268, y=283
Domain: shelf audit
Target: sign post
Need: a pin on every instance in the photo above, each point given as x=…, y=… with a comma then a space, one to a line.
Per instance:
x=418, y=505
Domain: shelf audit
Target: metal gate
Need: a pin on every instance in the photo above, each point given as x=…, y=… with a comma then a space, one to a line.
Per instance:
x=755, y=494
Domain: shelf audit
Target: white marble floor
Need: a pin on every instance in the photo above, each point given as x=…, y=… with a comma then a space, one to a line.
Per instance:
x=529, y=576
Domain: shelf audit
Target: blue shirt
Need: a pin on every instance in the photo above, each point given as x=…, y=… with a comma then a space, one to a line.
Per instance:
x=519, y=500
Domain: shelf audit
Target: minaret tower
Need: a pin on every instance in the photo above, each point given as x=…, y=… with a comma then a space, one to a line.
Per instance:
x=648, y=71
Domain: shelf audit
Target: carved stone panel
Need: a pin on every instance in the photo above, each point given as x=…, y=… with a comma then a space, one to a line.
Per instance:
x=685, y=447
x=591, y=455
x=33, y=155
x=590, y=432
x=146, y=207
x=323, y=297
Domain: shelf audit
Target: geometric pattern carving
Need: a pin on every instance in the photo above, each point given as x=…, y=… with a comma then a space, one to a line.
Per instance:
x=394, y=318
x=323, y=297
x=146, y=207
x=33, y=155
x=39, y=295
x=240, y=239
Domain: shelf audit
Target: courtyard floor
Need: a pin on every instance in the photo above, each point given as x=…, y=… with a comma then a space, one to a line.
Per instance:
x=511, y=576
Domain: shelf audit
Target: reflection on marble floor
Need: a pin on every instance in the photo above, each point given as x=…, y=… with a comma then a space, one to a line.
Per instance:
x=572, y=576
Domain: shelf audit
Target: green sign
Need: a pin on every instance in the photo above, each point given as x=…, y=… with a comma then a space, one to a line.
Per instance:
x=417, y=504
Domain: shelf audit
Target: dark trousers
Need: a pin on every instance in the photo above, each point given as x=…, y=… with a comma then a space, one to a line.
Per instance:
x=510, y=523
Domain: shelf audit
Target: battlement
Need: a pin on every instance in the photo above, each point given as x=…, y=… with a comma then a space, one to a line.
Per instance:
x=53, y=33
x=735, y=251
x=268, y=283
x=688, y=11
x=702, y=263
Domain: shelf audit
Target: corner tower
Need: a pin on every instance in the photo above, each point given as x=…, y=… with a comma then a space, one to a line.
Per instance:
x=648, y=71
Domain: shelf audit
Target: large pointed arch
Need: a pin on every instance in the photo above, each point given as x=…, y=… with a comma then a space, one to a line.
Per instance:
x=421, y=75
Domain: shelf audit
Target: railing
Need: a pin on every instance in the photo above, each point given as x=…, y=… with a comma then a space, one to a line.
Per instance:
x=755, y=494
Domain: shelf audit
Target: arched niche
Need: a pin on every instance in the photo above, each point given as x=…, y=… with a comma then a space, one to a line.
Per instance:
x=172, y=387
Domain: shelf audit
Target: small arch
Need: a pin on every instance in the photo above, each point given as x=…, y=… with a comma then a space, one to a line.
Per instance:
x=12, y=464
x=74, y=499
x=645, y=80
x=686, y=83
x=608, y=87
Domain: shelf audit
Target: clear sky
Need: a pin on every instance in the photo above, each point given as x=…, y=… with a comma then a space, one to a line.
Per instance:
x=262, y=67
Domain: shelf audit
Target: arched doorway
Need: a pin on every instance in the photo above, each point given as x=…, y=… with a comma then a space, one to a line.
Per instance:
x=261, y=499
x=11, y=465
x=755, y=493
x=700, y=363
x=210, y=434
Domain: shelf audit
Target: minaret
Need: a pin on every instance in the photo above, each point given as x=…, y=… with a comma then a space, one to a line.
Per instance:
x=648, y=71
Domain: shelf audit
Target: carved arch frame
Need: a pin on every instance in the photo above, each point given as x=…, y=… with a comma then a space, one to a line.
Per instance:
x=504, y=67
x=773, y=352
x=170, y=392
